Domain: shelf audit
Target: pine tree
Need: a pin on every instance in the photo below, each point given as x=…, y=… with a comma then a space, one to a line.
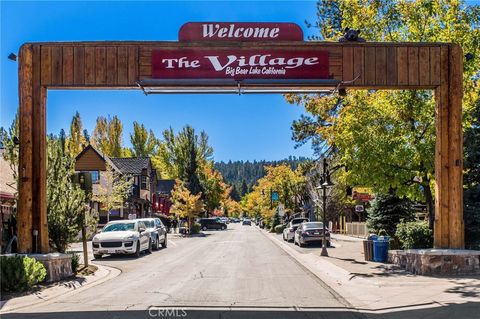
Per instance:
x=387, y=211
x=234, y=194
x=472, y=182
x=65, y=200
x=244, y=189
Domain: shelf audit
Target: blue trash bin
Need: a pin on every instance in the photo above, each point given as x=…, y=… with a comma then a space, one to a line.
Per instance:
x=380, y=249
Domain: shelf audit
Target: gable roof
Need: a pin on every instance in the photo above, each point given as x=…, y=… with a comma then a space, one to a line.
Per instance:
x=100, y=154
x=131, y=165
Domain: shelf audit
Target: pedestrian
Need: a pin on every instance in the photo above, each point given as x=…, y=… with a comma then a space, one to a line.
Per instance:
x=174, y=225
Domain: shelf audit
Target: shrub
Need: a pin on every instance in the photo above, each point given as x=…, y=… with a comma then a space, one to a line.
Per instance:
x=75, y=261
x=414, y=235
x=195, y=228
x=20, y=273
x=279, y=229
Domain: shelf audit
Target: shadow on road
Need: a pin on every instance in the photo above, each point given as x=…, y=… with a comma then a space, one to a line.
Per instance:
x=457, y=311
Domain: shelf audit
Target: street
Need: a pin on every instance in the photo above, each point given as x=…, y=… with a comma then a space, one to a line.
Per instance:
x=237, y=269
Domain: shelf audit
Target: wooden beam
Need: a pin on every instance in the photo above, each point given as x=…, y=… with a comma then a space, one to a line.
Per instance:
x=449, y=229
x=25, y=191
x=455, y=139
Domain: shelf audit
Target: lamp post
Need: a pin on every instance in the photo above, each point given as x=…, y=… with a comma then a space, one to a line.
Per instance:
x=326, y=185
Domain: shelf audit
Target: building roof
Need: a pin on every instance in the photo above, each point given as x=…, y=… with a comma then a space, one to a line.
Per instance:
x=131, y=165
x=99, y=153
x=165, y=186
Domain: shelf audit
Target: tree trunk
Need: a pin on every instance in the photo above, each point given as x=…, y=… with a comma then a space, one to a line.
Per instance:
x=429, y=202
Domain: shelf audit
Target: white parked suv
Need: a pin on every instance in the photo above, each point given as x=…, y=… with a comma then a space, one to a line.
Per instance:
x=122, y=237
x=289, y=230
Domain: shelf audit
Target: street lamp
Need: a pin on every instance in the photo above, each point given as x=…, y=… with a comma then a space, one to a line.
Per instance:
x=325, y=186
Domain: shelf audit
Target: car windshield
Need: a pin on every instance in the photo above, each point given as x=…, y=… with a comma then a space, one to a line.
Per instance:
x=313, y=225
x=119, y=227
x=148, y=223
x=298, y=221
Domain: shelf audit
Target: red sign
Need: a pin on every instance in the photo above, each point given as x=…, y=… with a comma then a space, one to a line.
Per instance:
x=240, y=31
x=239, y=64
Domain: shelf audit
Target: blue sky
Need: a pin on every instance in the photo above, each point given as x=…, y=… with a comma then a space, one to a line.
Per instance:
x=244, y=127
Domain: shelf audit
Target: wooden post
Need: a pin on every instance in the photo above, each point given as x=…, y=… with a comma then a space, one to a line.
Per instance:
x=24, y=206
x=32, y=205
x=449, y=229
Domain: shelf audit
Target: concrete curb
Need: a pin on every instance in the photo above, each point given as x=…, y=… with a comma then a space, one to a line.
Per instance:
x=64, y=288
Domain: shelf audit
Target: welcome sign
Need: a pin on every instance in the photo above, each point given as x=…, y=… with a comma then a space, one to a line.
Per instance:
x=240, y=64
x=240, y=31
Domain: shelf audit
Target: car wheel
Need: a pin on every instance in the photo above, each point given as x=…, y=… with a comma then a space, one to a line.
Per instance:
x=97, y=256
x=150, y=246
x=137, y=251
x=300, y=243
x=328, y=243
x=223, y=227
x=164, y=244
x=204, y=228
x=284, y=237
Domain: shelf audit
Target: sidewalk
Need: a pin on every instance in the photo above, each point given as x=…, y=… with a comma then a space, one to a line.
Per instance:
x=65, y=287
x=62, y=288
x=377, y=287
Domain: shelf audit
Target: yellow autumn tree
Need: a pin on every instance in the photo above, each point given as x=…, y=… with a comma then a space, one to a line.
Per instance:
x=281, y=179
x=185, y=204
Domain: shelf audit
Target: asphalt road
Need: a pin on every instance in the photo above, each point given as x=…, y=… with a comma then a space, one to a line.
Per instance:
x=237, y=273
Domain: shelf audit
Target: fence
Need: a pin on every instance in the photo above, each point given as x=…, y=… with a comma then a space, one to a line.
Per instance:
x=356, y=229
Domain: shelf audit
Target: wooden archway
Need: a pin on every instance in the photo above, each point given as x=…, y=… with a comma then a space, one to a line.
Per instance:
x=120, y=65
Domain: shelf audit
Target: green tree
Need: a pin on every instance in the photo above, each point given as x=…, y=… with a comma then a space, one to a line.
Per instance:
x=9, y=140
x=387, y=211
x=387, y=138
x=144, y=143
x=76, y=141
x=472, y=183
x=107, y=136
x=113, y=190
x=66, y=207
x=99, y=137
x=115, y=131
x=183, y=155
x=234, y=193
x=244, y=189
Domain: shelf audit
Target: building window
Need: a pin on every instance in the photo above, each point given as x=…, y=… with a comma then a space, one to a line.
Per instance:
x=145, y=182
x=95, y=177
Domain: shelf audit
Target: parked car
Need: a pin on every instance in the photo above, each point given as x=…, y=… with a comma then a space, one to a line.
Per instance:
x=225, y=220
x=158, y=231
x=122, y=237
x=310, y=232
x=247, y=221
x=211, y=223
x=289, y=230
